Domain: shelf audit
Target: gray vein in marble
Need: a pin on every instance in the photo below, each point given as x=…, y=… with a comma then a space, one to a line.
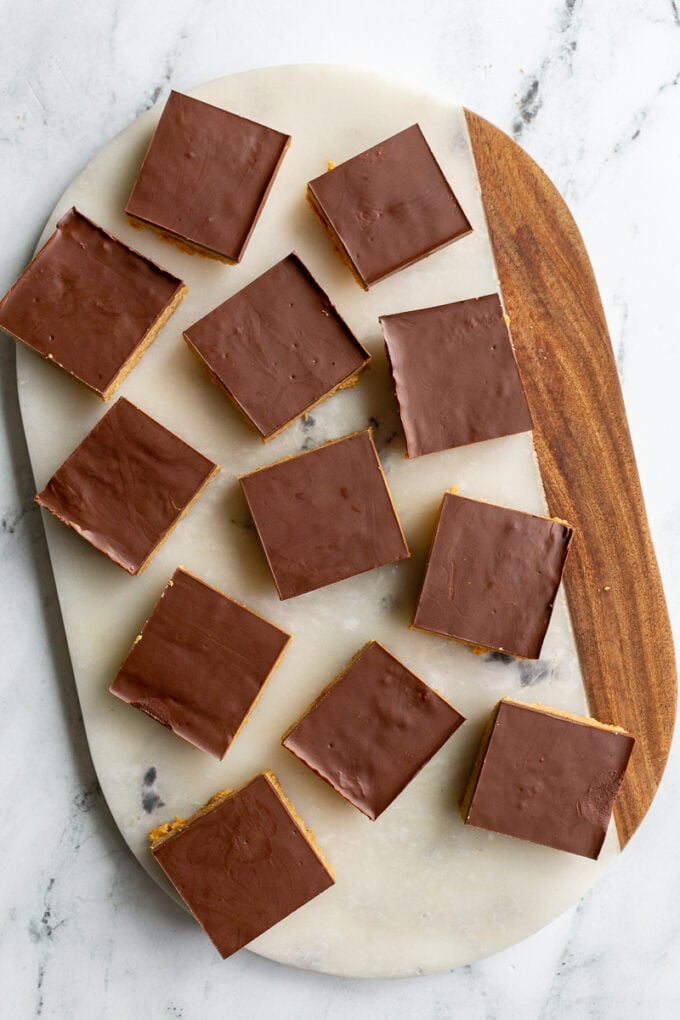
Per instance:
x=10, y=521
x=530, y=103
x=174, y=1011
x=41, y=932
x=634, y=129
x=308, y=424
x=169, y=65
x=384, y=433
x=151, y=798
x=639, y=120
x=532, y=673
x=526, y=672
x=531, y=97
x=620, y=343
x=555, y=1005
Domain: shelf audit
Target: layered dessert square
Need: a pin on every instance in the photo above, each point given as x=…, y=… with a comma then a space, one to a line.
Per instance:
x=372, y=730
x=89, y=304
x=547, y=776
x=455, y=375
x=388, y=207
x=278, y=347
x=242, y=863
x=492, y=576
x=200, y=663
x=126, y=485
x=205, y=177
x=325, y=515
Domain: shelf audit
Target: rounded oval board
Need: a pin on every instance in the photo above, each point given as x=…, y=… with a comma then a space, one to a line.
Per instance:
x=416, y=891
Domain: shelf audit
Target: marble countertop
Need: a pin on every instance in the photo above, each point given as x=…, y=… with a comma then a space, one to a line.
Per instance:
x=593, y=93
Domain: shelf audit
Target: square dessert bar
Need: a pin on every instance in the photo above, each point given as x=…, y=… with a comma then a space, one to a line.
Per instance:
x=372, y=730
x=388, y=207
x=325, y=515
x=492, y=576
x=127, y=484
x=89, y=303
x=242, y=863
x=547, y=776
x=205, y=177
x=200, y=663
x=455, y=375
x=278, y=347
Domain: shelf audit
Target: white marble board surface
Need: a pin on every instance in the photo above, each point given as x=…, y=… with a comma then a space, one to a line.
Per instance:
x=416, y=891
x=559, y=77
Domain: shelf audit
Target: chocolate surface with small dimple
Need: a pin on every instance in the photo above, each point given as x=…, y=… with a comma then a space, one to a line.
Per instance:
x=278, y=346
x=324, y=515
x=389, y=206
x=373, y=730
x=206, y=175
x=492, y=576
x=549, y=779
x=126, y=485
x=243, y=866
x=200, y=663
x=455, y=375
x=87, y=301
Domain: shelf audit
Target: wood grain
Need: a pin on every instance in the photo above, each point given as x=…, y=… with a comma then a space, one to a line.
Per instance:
x=586, y=458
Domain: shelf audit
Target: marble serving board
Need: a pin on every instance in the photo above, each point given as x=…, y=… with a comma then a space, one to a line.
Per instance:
x=416, y=891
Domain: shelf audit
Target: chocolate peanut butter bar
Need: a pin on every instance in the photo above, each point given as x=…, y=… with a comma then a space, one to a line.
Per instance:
x=388, y=207
x=455, y=375
x=206, y=177
x=200, y=663
x=325, y=515
x=242, y=863
x=492, y=576
x=372, y=730
x=90, y=304
x=278, y=347
x=547, y=776
x=127, y=484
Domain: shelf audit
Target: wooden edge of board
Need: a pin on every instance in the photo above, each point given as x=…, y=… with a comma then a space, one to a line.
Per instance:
x=586, y=458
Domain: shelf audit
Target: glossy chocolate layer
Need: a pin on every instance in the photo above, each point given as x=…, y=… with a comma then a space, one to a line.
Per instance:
x=455, y=375
x=200, y=663
x=324, y=515
x=549, y=779
x=372, y=730
x=126, y=485
x=278, y=346
x=206, y=175
x=389, y=206
x=243, y=866
x=87, y=301
x=492, y=576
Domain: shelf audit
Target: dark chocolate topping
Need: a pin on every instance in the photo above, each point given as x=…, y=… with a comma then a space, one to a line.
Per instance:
x=373, y=730
x=206, y=175
x=126, y=485
x=324, y=515
x=549, y=779
x=277, y=346
x=492, y=576
x=390, y=205
x=86, y=301
x=243, y=866
x=200, y=663
x=455, y=375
